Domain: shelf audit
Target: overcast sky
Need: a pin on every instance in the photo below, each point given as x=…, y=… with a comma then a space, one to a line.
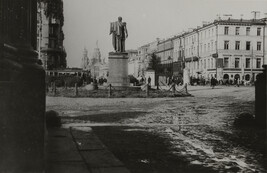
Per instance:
x=87, y=21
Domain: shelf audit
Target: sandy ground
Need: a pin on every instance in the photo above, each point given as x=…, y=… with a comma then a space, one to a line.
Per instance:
x=198, y=129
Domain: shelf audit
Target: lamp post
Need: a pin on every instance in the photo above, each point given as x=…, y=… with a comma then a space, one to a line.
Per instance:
x=251, y=69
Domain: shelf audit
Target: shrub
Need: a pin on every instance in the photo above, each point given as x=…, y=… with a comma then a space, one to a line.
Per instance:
x=61, y=80
x=52, y=119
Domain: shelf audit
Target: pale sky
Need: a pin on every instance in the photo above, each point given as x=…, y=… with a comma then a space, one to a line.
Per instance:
x=87, y=21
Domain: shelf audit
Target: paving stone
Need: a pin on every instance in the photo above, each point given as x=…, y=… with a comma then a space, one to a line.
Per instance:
x=56, y=132
x=100, y=158
x=81, y=134
x=62, y=149
x=89, y=144
x=110, y=170
x=65, y=156
x=66, y=167
x=60, y=145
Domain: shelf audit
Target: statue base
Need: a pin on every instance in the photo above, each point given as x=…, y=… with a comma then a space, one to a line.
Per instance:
x=118, y=69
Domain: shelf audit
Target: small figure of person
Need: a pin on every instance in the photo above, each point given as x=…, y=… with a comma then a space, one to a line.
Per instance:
x=95, y=86
x=227, y=82
x=212, y=82
x=149, y=80
x=237, y=82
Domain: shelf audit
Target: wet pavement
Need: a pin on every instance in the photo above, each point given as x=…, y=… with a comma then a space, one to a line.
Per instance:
x=192, y=134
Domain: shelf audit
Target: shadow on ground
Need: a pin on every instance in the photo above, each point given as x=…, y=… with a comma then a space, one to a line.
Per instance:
x=144, y=151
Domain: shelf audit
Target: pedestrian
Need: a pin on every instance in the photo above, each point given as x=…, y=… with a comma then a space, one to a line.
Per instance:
x=237, y=82
x=227, y=82
x=212, y=82
x=149, y=80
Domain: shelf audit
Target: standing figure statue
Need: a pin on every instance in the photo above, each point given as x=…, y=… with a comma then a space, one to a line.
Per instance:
x=119, y=34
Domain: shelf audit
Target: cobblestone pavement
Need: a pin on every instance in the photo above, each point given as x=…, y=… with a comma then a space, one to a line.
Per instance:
x=197, y=131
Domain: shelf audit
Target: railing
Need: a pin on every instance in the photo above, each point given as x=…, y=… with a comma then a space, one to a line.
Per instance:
x=109, y=91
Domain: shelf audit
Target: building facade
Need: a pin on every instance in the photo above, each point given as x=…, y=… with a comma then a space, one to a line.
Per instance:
x=50, y=38
x=224, y=49
x=165, y=53
x=133, y=62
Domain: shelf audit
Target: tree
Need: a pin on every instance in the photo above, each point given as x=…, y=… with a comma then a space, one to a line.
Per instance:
x=154, y=62
x=155, y=65
x=54, y=10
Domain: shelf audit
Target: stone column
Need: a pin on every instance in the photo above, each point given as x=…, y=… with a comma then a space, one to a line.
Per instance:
x=22, y=89
x=118, y=69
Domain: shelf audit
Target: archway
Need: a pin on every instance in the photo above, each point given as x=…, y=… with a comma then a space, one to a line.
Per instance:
x=237, y=76
x=225, y=76
x=247, y=77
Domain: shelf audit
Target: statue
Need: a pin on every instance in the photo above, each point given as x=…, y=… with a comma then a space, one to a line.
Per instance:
x=119, y=34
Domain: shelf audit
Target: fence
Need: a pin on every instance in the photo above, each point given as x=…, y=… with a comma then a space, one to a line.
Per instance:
x=110, y=91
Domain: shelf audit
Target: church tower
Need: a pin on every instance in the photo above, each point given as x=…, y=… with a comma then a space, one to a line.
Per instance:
x=96, y=59
x=85, y=60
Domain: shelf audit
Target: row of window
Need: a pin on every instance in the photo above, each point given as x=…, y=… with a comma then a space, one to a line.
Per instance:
x=237, y=31
x=237, y=62
x=237, y=45
x=210, y=63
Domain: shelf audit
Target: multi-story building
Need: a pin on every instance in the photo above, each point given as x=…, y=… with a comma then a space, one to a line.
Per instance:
x=143, y=59
x=139, y=60
x=225, y=49
x=133, y=62
x=50, y=39
x=165, y=53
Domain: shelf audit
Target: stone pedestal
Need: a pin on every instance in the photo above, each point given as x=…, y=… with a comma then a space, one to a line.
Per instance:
x=118, y=69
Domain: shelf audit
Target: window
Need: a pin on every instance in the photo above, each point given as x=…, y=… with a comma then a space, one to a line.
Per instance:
x=237, y=60
x=248, y=45
x=258, y=63
x=247, y=62
x=237, y=30
x=211, y=45
x=258, y=31
x=247, y=30
x=226, y=29
x=208, y=46
x=226, y=62
x=208, y=66
x=204, y=47
x=237, y=45
x=258, y=45
x=52, y=43
x=226, y=45
x=204, y=63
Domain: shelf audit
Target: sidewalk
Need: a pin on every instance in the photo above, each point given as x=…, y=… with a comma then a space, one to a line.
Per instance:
x=78, y=149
